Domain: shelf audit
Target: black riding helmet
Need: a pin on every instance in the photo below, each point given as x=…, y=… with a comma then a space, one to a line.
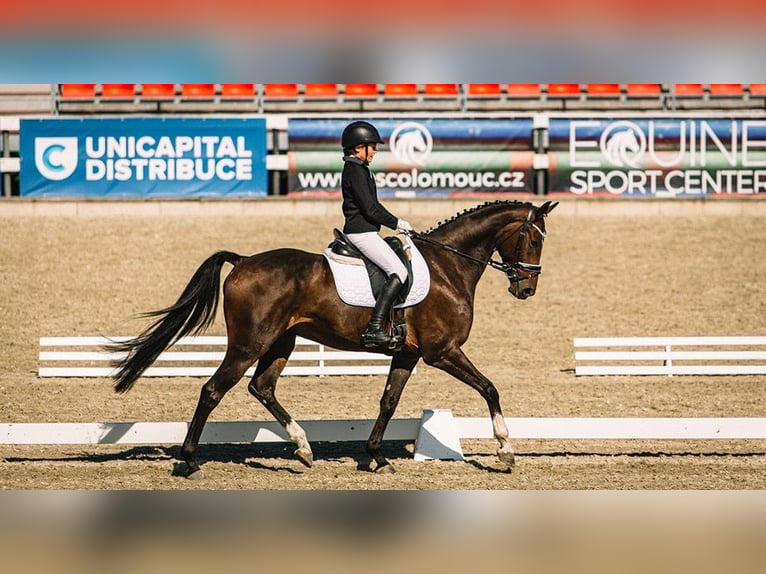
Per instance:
x=359, y=132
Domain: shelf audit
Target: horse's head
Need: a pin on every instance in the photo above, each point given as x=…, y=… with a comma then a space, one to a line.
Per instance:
x=520, y=245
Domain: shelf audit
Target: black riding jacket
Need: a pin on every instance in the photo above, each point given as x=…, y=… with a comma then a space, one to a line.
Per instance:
x=361, y=208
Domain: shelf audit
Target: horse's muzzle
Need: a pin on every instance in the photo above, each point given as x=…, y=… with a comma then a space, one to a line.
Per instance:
x=526, y=292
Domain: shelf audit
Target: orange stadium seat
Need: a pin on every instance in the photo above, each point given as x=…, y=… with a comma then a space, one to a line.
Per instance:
x=158, y=91
x=524, y=90
x=280, y=90
x=689, y=90
x=484, y=90
x=564, y=90
x=238, y=90
x=400, y=90
x=758, y=89
x=643, y=90
x=603, y=90
x=729, y=90
x=440, y=90
x=320, y=90
x=118, y=91
x=361, y=90
x=197, y=90
x=82, y=91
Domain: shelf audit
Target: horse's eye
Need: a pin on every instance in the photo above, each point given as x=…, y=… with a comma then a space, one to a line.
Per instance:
x=534, y=244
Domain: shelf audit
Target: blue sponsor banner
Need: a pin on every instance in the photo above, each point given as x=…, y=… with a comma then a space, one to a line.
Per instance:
x=658, y=156
x=422, y=156
x=143, y=157
x=321, y=132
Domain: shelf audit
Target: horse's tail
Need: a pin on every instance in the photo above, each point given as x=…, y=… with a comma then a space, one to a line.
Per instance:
x=193, y=313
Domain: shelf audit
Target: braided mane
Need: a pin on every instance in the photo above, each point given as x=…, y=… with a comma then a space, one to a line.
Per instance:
x=474, y=210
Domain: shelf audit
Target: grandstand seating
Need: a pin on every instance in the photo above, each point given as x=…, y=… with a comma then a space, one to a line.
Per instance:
x=564, y=90
x=524, y=90
x=118, y=91
x=158, y=91
x=643, y=90
x=483, y=97
x=642, y=97
x=237, y=90
x=401, y=97
x=311, y=98
x=440, y=90
x=729, y=96
x=442, y=97
x=321, y=91
x=522, y=97
x=361, y=90
x=711, y=96
x=603, y=90
x=280, y=90
x=400, y=90
x=206, y=91
x=94, y=98
x=689, y=90
x=726, y=90
x=78, y=91
x=484, y=90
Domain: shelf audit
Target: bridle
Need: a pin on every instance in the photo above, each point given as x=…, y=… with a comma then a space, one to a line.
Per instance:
x=511, y=269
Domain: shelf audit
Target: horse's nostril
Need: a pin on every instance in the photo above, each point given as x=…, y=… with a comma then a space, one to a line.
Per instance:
x=528, y=292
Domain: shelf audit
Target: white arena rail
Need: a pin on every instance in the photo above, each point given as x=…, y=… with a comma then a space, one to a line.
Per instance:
x=85, y=357
x=437, y=433
x=670, y=356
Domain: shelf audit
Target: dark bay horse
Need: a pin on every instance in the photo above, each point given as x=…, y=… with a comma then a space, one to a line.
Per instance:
x=272, y=297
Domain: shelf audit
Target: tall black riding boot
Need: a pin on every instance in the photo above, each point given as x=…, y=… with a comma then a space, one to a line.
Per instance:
x=376, y=335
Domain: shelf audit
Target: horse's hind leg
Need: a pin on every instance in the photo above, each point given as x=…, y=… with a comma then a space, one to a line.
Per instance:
x=263, y=385
x=228, y=374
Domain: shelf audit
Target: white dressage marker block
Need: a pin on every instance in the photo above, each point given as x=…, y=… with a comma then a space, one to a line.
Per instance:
x=438, y=437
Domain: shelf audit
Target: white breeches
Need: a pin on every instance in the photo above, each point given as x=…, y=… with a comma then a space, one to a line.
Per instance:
x=377, y=250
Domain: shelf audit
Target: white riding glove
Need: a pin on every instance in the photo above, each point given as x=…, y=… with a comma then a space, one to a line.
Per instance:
x=403, y=225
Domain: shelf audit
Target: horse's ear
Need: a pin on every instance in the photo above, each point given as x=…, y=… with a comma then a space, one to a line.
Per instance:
x=545, y=209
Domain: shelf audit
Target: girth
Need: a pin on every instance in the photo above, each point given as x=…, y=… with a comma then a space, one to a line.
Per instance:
x=342, y=246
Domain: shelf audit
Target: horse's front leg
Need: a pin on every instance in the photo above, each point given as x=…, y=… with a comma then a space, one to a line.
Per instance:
x=401, y=369
x=455, y=363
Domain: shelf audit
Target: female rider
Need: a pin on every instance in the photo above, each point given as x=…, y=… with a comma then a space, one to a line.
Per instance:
x=364, y=216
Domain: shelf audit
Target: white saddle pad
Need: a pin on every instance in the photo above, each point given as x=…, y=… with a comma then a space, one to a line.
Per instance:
x=353, y=282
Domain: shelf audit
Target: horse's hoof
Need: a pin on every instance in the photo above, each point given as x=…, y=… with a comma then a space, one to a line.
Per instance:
x=305, y=456
x=196, y=475
x=385, y=469
x=506, y=458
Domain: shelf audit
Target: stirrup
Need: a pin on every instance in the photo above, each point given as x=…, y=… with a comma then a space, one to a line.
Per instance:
x=376, y=339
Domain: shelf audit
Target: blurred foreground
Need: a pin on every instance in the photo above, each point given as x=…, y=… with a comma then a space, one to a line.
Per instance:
x=575, y=532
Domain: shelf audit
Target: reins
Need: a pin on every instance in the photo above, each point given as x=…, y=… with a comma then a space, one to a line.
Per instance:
x=416, y=235
x=510, y=269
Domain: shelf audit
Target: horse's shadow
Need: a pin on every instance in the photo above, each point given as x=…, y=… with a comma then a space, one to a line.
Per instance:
x=274, y=457
x=278, y=457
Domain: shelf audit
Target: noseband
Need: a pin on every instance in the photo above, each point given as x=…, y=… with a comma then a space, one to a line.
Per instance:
x=511, y=269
